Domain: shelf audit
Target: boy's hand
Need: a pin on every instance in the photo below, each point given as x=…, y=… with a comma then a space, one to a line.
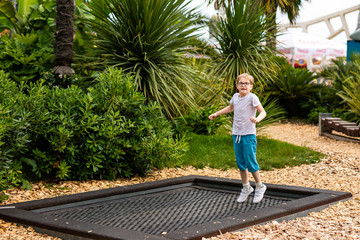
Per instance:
x=212, y=116
x=254, y=120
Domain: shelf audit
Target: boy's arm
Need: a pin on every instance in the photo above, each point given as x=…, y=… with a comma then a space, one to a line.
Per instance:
x=227, y=109
x=261, y=116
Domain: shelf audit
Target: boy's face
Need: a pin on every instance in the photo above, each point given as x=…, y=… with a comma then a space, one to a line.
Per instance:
x=244, y=86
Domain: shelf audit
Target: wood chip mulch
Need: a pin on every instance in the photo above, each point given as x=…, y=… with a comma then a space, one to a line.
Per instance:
x=339, y=171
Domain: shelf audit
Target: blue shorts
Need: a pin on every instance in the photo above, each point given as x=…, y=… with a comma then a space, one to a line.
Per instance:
x=245, y=152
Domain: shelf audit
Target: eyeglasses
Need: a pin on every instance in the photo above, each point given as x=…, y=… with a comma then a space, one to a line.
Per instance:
x=243, y=83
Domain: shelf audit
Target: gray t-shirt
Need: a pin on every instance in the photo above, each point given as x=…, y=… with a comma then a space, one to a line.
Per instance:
x=244, y=109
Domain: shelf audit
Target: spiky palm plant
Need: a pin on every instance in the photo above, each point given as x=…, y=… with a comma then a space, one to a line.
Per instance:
x=340, y=70
x=241, y=35
x=274, y=111
x=292, y=87
x=343, y=76
x=351, y=94
x=149, y=38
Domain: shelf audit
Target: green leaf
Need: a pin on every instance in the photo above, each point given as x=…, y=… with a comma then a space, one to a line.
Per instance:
x=30, y=162
x=7, y=15
x=25, y=6
x=7, y=9
x=26, y=184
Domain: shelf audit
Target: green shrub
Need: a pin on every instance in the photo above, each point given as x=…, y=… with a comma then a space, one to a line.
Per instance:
x=293, y=88
x=107, y=132
x=313, y=116
x=324, y=97
x=26, y=56
x=14, y=137
x=62, y=81
x=26, y=52
x=198, y=122
x=340, y=97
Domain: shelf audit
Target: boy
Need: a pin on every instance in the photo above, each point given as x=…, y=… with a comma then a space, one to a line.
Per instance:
x=245, y=104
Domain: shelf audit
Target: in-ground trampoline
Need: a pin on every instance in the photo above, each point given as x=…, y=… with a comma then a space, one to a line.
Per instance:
x=189, y=207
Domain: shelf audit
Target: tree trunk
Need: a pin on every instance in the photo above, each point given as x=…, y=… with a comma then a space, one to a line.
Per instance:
x=64, y=37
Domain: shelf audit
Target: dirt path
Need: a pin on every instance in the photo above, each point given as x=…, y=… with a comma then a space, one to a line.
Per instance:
x=339, y=171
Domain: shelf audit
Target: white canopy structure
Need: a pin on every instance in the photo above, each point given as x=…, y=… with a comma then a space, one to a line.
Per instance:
x=305, y=50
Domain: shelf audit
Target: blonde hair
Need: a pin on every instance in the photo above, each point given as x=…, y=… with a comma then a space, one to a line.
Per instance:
x=246, y=76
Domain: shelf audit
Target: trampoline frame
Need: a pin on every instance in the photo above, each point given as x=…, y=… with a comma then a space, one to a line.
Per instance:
x=305, y=201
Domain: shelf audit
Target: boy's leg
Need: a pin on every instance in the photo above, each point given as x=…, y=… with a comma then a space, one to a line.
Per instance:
x=256, y=176
x=240, y=161
x=249, y=148
x=244, y=176
x=250, y=145
x=239, y=153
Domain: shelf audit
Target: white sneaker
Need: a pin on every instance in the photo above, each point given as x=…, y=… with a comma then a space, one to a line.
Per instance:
x=244, y=194
x=259, y=194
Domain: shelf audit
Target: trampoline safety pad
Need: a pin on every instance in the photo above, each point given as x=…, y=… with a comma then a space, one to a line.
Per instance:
x=188, y=207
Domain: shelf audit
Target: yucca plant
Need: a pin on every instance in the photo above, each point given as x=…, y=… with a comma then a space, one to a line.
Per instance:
x=241, y=37
x=149, y=38
x=274, y=111
x=351, y=94
x=209, y=85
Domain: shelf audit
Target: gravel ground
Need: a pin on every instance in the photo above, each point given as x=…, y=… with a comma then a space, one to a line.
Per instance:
x=339, y=171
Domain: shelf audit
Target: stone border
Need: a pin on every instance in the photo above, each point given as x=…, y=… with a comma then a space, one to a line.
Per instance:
x=25, y=213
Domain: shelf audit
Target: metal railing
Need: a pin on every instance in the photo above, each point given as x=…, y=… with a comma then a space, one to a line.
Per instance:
x=326, y=19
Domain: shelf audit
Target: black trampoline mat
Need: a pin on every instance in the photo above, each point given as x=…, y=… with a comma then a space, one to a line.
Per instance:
x=189, y=207
x=164, y=211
